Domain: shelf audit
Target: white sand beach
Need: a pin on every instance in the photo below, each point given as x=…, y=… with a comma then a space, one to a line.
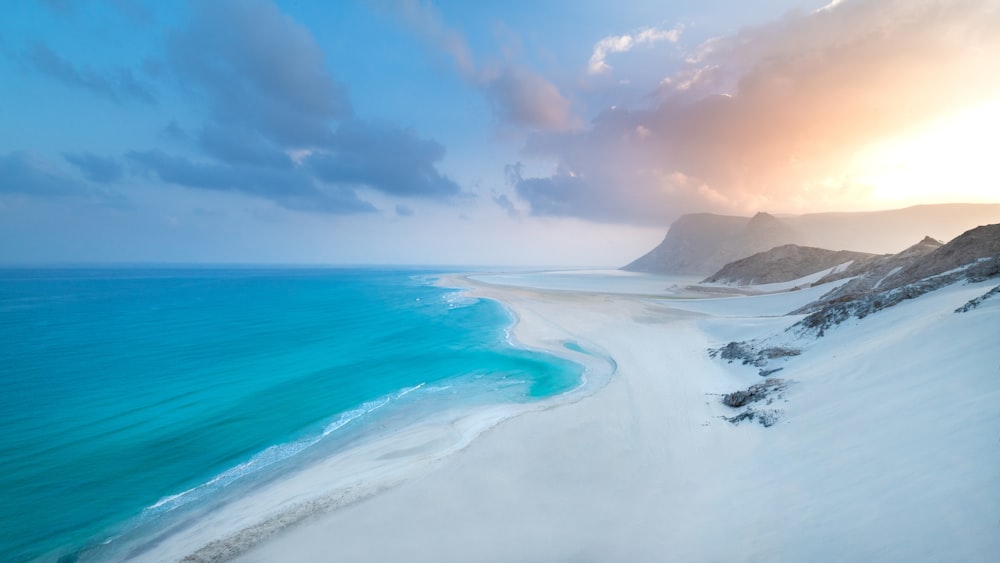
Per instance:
x=887, y=449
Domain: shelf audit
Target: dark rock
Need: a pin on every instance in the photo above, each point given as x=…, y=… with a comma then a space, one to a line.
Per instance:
x=766, y=417
x=767, y=372
x=754, y=393
x=749, y=355
x=973, y=303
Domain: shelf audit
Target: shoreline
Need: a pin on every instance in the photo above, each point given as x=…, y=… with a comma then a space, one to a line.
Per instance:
x=646, y=467
x=369, y=465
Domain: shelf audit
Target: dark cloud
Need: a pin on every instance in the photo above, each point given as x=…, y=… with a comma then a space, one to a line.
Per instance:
x=95, y=168
x=386, y=158
x=260, y=71
x=237, y=146
x=119, y=85
x=25, y=173
x=764, y=117
x=279, y=126
x=32, y=175
x=291, y=188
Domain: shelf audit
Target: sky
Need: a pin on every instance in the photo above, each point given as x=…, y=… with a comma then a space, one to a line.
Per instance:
x=534, y=133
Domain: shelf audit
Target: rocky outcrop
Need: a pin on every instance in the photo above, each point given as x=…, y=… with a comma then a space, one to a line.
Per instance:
x=974, y=303
x=768, y=391
x=786, y=263
x=754, y=393
x=750, y=353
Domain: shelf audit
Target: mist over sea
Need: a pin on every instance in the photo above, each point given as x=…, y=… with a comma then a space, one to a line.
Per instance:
x=128, y=396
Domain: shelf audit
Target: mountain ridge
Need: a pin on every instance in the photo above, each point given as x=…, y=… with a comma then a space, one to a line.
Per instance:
x=702, y=243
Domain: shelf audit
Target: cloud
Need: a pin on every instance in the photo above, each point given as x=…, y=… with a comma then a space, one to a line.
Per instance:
x=622, y=43
x=235, y=145
x=95, y=168
x=25, y=173
x=118, y=85
x=504, y=202
x=422, y=17
x=521, y=97
x=260, y=71
x=761, y=118
x=386, y=158
x=292, y=189
x=403, y=210
x=30, y=174
x=279, y=126
x=518, y=96
x=174, y=132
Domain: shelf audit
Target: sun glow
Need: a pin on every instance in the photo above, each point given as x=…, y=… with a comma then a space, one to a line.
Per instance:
x=952, y=159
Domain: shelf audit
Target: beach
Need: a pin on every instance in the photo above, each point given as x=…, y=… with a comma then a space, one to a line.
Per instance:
x=886, y=448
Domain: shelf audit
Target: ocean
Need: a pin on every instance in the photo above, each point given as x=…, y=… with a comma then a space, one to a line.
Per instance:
x=128, y=395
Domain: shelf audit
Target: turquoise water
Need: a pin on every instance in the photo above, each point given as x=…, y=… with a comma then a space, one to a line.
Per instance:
x=126, y=394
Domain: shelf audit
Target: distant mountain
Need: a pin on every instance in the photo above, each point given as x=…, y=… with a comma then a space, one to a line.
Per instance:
x=701, y=244
x=786, y=263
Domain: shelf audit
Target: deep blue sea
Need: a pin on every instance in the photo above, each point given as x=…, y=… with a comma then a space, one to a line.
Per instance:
x=126, y=394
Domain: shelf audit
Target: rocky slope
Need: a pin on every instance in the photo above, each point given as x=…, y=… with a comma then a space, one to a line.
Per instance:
x=786, y=263
x=869, y=274
x=972, y=256
x=878, y=283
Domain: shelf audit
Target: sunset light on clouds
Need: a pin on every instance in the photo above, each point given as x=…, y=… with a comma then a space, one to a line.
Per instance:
x=456, y=132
